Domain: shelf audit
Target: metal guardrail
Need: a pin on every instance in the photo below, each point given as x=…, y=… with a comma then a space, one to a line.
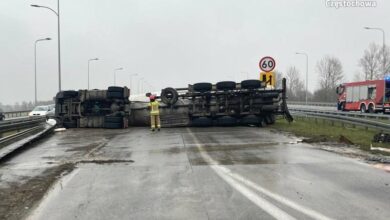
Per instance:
x=20, y=134
x=15, y=114
x=376, y=116
x=343, y=119
x=15, y=124
x=328, y=104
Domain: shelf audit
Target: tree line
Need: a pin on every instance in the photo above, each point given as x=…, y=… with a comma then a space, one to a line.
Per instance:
x=23, y=106
x=374, y=63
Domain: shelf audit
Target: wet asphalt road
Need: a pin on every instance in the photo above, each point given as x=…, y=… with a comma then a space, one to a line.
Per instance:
x=200, y=173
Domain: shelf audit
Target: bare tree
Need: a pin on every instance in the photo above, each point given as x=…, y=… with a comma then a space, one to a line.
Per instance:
x=358, y=76
x=385, y=61
x=371, y=62
x=330, y=72
x=295, y=86
x=279, y=77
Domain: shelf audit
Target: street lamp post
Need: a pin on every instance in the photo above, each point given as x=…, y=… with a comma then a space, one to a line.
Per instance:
x=131, y=82
x=383, y=46
x=88, y=68
x=120, y=68
x=57, y=13
x=139, y=85
x=307, y=73
x=35, y=66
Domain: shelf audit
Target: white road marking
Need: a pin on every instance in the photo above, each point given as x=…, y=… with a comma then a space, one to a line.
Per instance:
x=257, y=200
x=237, y=181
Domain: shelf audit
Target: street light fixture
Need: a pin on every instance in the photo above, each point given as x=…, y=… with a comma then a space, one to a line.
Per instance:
x=88, y=68
x=35, y=66
x=57, y=13
x=307, y=72
x=139, y=85
x=120, y=68
x=131, y=82
x=383, y=45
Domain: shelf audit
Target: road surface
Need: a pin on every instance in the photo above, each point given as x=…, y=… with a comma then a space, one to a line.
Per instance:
x=198, y=173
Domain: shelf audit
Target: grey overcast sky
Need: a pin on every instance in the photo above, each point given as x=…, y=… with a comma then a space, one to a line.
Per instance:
x=175, y=42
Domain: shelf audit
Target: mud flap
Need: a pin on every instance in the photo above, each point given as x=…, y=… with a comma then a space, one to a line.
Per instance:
x=284, y=107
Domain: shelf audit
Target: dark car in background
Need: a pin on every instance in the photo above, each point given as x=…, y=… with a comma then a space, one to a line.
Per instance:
x=2, y=116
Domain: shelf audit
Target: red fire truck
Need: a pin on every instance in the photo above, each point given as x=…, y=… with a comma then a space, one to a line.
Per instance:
x=366, y=96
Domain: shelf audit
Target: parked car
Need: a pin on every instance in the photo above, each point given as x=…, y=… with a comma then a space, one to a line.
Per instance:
x=2, y=116
x=51, y=111
x=40, y=111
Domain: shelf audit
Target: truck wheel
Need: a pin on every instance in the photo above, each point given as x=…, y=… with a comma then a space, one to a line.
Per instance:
x=169, y=96
x=69, y=124
x=251, y=84
x=226, y=85
x=113, y=119
x=269, y=119
x=371, y=108
x=67, y=94
x=250, y=120
x=115, y=89
x=202, y=122
x=113, y=125
x=114, y=95
x=202, y=87
x=226, y=121
x=363, y=109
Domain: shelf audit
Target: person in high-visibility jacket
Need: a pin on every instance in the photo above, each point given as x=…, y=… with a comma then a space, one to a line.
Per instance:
x=154, y=113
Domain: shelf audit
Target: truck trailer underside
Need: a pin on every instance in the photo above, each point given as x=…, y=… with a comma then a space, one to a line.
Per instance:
x=202, y=104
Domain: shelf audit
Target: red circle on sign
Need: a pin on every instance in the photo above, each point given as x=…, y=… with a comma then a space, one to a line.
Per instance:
x=267, y=64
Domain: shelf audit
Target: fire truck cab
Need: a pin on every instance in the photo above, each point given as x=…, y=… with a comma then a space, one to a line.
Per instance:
x=366, y=96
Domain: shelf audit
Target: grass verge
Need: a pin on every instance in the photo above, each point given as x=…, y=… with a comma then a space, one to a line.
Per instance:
x=325, y=131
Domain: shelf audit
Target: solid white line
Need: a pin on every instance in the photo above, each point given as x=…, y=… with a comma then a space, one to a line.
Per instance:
x=249, y=194
x=281, y=199
x=224, y=172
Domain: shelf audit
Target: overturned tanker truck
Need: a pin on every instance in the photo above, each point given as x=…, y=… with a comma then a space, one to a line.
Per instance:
x=93, y=108
x=226, y=103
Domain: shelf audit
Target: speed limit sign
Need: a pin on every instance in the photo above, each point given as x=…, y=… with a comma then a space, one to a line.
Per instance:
x=267, y=64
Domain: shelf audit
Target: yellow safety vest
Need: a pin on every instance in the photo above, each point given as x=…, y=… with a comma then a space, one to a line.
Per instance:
x=154, y=108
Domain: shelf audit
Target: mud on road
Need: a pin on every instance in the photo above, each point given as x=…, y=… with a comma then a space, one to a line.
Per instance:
x=17, y=200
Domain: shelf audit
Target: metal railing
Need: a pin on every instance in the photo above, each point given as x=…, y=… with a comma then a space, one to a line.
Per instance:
x=327, y=104
x=347, y=114
x=342, y=118
x=20, y=134
x=18, y=123
x=15, y=114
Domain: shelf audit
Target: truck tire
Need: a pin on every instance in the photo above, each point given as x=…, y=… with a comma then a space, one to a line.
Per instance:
x=226, y=85
x=251, y=84
x=113, y=119
x=201, y=122
x=67, y=94
x=202, y=87
x=363, y=108
x=371, y=108
x=115, y=89
x=169, y=96
x=226, y=121
x=69, y=124
x=112, y=125
x=250, y=120
x=269, y=119
x=114, y=95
